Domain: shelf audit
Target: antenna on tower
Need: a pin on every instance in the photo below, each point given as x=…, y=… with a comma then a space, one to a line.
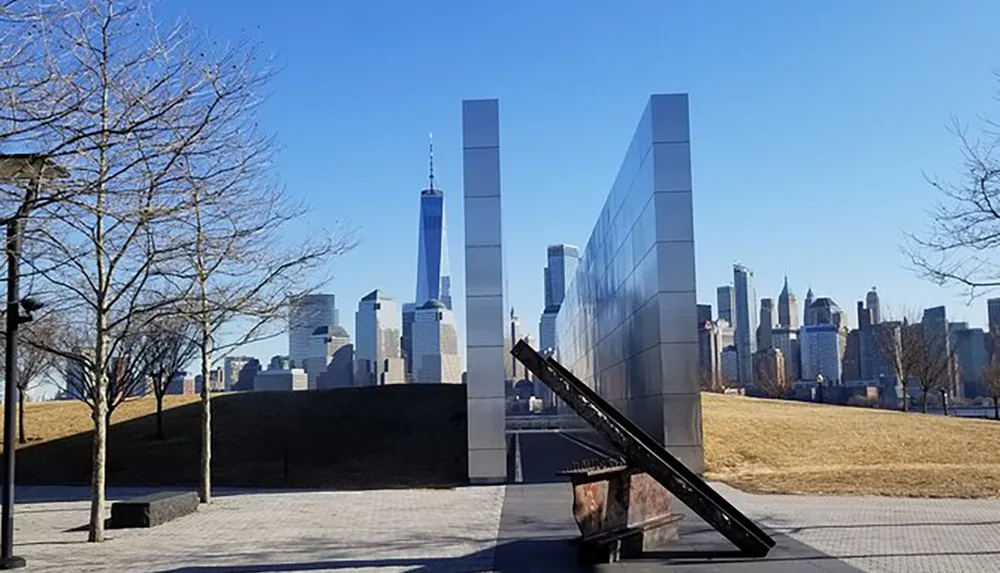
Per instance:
x=431, y=184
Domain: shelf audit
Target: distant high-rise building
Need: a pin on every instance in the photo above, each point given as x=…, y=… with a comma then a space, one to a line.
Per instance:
x=217, y=379
x=245, y=379
x=864, y=316
x=433, y=270
x=726, y=300
x=435, y=345
x=971, y=355
x=745, y=317
x=766, y=324
x=723, y=339
x=874, y=308
x=787, y=341
x=872, y=362
x=938, y=339
x=808, y=303
x=851, y=364
x=769, y=369
x=511, y=337
x=547, y=328
x=729, y=364
x=788, y=309
x=78, y=376
x=231, y=368
x=559, y=271
x=993, y=315
x=378, y=330
x=308, y=313
x=822, y=349
x=409, y=313
x=330, y=343
x=704, y=313
x=279, y=362
x=561, y=262
x=824, y=311
x=181, y=383
x=280, y=380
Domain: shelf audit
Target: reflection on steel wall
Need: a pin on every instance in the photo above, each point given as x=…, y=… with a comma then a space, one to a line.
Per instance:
x=484, y=310
x=628, y=325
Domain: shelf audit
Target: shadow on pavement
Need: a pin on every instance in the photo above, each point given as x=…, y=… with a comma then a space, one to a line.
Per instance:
x=486, y=561
x=537, y=508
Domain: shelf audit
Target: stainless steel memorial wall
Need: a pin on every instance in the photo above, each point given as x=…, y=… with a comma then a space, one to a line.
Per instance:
x=628, y=324
x=485, y=322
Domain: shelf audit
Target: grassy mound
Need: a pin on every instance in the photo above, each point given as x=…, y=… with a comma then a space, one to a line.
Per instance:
x=390, y=436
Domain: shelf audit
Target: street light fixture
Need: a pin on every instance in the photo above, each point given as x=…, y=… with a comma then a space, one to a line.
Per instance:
x=27, y=168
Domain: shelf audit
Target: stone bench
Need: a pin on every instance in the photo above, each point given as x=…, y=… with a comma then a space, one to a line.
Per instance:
x=152, y=510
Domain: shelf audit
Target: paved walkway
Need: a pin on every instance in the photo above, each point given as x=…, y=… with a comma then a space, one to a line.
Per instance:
x=886, y=535
x=443, y=531
x=481, y=529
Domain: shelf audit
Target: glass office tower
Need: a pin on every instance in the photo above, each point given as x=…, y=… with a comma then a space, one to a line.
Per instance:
x=433, y=273
x=628, y=324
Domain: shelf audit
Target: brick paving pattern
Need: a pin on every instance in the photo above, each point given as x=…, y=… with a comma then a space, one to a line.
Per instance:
x=444, y=531
x=886, y=535
x=375, y=531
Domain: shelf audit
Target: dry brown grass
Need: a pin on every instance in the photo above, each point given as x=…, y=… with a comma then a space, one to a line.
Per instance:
x=772, y=446
x=47, y=421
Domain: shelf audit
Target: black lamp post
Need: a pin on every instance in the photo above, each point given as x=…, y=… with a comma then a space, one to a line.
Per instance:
x=29, y=168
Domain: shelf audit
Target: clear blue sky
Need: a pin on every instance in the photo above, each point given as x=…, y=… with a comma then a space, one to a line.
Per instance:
x=811, y=125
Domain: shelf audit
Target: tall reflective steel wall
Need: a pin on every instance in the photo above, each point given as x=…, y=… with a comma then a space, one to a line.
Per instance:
x=485, y=322
x=628, y=325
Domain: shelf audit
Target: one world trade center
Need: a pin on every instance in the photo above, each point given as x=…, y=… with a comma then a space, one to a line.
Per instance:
x=433, y=272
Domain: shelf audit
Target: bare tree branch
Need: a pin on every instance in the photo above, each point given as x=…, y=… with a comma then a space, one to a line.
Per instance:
x=958, y=246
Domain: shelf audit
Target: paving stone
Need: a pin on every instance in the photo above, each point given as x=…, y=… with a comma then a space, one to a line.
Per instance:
x=384, y=531
x=461, y=530
x=886, y=535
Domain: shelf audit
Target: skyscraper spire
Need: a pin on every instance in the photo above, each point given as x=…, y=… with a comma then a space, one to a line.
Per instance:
x=431, y=177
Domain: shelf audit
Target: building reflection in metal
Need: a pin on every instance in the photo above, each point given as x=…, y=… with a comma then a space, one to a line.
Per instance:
x=628, y=324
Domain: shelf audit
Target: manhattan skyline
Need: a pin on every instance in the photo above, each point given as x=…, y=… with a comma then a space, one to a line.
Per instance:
x=809, y=149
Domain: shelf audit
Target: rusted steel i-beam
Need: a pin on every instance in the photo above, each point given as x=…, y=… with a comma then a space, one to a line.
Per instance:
x=621, y=511
x=643, y=452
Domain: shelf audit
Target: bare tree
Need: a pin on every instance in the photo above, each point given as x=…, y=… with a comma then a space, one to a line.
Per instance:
x=172, y=345
x=239, y=268
x=933, y=362
x=126, y=376
x=902, y=345
x=708, y=381
x=147, y=101
x=245, y=275
x=990, y=378
x=34, y=362
x=964, y=231
x=772, y=380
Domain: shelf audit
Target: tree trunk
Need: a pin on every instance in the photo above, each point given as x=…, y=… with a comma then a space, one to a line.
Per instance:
x=996, y=408
x=944, y=401
x=925, y=391
x=905, y=398
x=205, y=491
x=20, y=417
x=159, y=416
x=100, y=417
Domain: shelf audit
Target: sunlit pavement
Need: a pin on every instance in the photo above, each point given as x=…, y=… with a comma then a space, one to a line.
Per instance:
x=383, y=531
x=520, y=528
